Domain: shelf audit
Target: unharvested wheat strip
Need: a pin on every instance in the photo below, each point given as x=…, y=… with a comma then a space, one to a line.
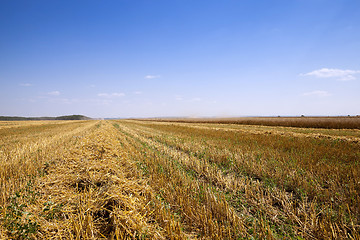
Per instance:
x=250, y=129
x=308, y=122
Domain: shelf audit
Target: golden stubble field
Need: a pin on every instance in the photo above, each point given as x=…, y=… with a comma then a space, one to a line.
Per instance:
x=130, y=179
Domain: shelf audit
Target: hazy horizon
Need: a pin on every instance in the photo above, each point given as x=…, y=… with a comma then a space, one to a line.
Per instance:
x=193, y=117
x=121, y=59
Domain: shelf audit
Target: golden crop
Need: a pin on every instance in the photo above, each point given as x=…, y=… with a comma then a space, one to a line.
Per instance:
x=164, y=180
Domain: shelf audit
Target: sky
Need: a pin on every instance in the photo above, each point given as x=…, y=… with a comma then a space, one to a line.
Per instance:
x=185, y=58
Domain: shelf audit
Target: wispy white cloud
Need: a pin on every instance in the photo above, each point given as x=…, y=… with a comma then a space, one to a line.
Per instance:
x=197, y=99
x=318, y=93
x=179, y=98
x=74, y=101
x=339, y=74
x=152, y=76
x=25, y=84
x=137, y=92
x=54, y=93
x=63, y=100
x=111, y=95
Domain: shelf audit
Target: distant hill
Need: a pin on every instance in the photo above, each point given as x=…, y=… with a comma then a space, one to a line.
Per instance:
x=67, y=117
x=73, y=117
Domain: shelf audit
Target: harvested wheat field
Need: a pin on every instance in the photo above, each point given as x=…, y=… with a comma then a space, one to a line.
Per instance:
x=131, y=179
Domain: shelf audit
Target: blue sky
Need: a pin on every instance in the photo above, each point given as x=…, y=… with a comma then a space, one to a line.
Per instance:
x=149, y=58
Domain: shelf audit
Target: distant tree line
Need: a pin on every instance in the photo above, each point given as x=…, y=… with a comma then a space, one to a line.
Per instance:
x=68, y=117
